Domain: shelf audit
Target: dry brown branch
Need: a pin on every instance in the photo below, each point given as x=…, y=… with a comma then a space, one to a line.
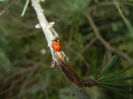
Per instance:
x=87, y=46
x=116, y=3
x=107, y=4
x=104, y=42
x=27, y=82
x=7, y=7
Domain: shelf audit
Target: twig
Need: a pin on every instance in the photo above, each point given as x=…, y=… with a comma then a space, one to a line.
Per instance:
x=110, y=3
x=27, y=81
x=104, y=42
x=88, y=45
x=7, y=7
x=128, y=24
x=51, y=35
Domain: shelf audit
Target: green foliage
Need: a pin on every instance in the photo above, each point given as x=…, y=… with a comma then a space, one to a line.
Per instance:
x=108, y=66
x=116, y=80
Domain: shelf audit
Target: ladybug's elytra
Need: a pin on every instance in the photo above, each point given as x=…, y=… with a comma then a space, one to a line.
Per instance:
x=56, y=45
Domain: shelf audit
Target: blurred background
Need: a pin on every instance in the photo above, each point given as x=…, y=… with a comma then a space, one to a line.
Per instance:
x=91, y=31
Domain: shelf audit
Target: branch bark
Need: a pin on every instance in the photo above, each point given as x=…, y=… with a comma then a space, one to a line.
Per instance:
x=51, y=35
x=103, y=41
x=48, y=32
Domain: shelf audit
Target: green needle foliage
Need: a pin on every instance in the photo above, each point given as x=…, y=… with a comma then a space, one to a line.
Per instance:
x=108, y=66
x=116, y=81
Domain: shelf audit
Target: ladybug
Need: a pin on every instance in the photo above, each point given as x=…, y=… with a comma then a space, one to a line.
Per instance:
x=56, y=46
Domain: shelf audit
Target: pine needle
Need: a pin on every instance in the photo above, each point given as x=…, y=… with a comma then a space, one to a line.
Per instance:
x=25, y=8
x=116, y=74
x=108, y=66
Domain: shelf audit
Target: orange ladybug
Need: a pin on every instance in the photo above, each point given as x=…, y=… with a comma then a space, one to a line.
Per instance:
x=56, y=46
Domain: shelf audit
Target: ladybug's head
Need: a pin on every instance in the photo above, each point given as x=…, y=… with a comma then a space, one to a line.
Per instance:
x=56, y=46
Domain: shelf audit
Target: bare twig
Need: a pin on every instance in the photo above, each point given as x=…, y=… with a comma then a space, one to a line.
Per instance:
x=27, y=82
x=109, y=3
x=7, y=7
x=87, y=46
x=128, y=24
x=104, y=42
x=51, y=35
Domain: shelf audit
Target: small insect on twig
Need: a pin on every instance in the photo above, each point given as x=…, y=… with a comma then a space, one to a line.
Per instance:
x=62, y=63
x=60, y=60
